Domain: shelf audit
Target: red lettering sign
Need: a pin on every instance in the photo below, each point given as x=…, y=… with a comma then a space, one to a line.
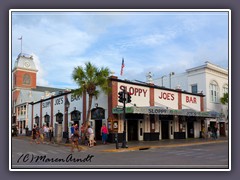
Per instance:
x=134, y=90
x=166, y=96
x=190, y=99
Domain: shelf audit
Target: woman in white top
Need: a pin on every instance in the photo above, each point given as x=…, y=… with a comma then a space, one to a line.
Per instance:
x=91, y=136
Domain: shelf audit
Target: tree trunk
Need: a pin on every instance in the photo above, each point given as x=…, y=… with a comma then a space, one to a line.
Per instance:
x=89, y=109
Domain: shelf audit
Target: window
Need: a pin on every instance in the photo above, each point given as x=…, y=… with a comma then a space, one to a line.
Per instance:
x=214, y=91
x=18, y=111
x=21, y=110
x=24, y=109
x=26, y=79
x=194, y=88
x=225, y=89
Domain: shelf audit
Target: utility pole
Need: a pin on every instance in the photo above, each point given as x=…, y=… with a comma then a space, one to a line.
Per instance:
x=124, y=97
x=124, y=142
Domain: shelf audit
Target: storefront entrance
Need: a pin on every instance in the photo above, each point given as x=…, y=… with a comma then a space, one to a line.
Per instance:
x=132, y=130
x=222, y=129
x=190, y=129
x=165, y=129
x=98, y=125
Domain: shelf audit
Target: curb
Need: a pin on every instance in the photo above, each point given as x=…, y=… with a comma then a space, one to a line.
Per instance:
x=135, y=148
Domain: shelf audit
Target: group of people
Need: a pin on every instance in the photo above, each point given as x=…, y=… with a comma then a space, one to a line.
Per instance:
x=86, y=135
x=42, y=134
x=212, y=132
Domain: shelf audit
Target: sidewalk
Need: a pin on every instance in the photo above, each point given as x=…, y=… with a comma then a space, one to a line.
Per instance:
x=144, y=145
x=140, y=145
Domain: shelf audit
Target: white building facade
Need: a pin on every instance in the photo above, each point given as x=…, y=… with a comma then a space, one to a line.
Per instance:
x=212, y=81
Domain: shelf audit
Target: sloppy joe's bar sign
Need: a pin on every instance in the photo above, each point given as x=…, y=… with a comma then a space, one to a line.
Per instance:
x=166, y=98
x=140, y=94
x=191, y=101
x=178, y=112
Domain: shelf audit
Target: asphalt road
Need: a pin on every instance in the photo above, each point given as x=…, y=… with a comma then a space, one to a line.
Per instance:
x=35, y=156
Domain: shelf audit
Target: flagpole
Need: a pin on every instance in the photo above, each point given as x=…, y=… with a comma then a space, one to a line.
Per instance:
x=21, y=43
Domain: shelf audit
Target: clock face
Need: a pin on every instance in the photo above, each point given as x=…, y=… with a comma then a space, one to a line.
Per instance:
x=26, y=64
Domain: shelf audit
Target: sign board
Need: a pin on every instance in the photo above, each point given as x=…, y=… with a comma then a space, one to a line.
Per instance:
x=163, y=111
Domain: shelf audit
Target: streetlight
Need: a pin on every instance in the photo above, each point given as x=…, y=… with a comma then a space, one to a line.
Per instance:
x=162, y=78
x=170, y=75
x=67, y=104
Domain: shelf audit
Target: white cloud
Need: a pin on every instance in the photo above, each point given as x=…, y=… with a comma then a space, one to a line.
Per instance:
x=159, y=44
x=41, y=74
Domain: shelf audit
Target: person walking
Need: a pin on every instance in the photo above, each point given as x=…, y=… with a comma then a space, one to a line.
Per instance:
x=82, y=129
x=209, y=132
x=46, y=132
x=50, y=134
x=72, y=129
x=215, y=129
x=74, y=139
x=34, y=135
x=91, y=136
x=104, y=133
x=41, y=135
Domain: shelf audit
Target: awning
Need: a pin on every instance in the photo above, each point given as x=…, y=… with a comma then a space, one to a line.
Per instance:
x=164, y=111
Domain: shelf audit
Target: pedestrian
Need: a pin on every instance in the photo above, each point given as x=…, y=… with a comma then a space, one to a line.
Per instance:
x=34, y=135
x=45, y=131
x=41, y=135
x=203, y=133
x=91, y=136
x=209, y=132
x=104, y=133
x=50, y=133
x=74, y=139
x=37, y=133
x=82, y=129
x=215, y=129
x=72, y=129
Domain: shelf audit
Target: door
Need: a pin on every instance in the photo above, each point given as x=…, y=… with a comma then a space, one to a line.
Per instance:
x=190, y=129
x=165, y=129
x=98, y=125
x=132, y=130
x=140, y=130
x=222, y=129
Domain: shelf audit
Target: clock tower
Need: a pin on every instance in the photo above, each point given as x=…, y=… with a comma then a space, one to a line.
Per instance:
x=24, y=74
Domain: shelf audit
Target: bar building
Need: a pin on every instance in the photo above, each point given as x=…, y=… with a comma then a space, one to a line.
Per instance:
x=155, y=112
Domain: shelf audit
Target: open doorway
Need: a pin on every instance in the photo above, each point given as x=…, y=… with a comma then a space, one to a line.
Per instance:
x=190, y=129
x=165, y=129
x=132, y=130
x=98, y=125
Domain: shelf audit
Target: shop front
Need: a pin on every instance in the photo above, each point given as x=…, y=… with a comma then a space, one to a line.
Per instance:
x=157, y=123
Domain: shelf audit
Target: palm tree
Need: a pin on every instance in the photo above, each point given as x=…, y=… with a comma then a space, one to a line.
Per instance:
x=88, y=78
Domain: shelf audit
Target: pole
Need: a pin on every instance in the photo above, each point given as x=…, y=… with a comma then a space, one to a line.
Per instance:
x=170, y=80
x=21, y=44
x=124, y=142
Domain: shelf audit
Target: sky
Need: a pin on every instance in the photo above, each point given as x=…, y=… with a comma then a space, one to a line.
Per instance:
x=157, y=42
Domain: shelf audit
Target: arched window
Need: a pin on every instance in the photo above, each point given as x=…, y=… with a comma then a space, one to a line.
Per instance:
x=214, y=92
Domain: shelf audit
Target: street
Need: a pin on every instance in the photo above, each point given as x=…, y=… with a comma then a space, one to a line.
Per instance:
x=34, y=156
